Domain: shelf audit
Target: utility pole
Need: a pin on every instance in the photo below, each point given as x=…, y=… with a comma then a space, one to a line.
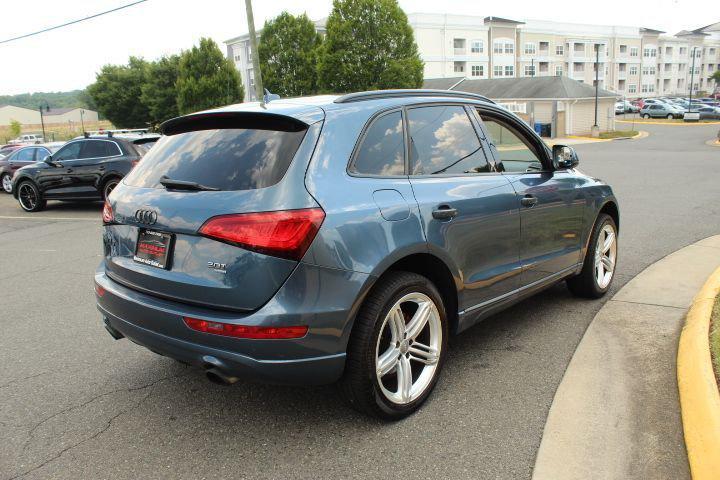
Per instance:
x=82, y=114
x=259, y=91
x=42, y=122
x=596, y=127
x=532, y=67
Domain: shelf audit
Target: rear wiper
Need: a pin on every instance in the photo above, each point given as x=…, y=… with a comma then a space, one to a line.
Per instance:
x=169, y=183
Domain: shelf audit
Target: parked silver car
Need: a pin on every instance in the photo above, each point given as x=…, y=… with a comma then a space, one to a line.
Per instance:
x=660, y=110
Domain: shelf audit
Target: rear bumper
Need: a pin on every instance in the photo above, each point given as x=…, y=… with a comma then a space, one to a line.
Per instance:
x=323, y=299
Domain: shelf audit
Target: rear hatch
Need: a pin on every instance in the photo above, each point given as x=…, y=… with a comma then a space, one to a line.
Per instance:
x=217, y=213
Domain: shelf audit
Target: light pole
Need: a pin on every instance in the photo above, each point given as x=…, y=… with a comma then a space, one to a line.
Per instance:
x=692, y=79
x=42, y=122
x=596, y=127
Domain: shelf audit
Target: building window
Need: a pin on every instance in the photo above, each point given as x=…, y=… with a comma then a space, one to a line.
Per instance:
x=509, y=47
x=498, y=47
x=633, y=70
x=648, y=70
x=623, y=49
x=559, y=49
x=579, y=48
x=544, y=47
x=476, y=46
x=681, y=67
x=632, y=88
x=476, y=70
x=459, y=67
x=697, y=53
x=497, y=71
x=622, y=67
x=529, y=70
x=578, y=67
x=459, y=46
x=509, y=70
x=711, y=52
x=634, y=51
x=649, y=52
x=530, y=49
x=558, y=70
x=668, y=51
x=503, y=47
x=683, y=50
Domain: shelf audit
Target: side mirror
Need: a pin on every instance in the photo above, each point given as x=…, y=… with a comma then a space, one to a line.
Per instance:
x=50, y=161
x=564, y=157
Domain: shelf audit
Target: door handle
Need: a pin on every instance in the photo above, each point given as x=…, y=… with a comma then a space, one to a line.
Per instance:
x=528, y=201
x=69, y=170
x=444, y=212
x=101, y=168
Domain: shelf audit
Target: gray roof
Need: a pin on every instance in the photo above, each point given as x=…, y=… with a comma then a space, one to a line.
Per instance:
x=651, y=31
x=441, y=83
x=526, y=88
x=503, y=20
x=59, y=111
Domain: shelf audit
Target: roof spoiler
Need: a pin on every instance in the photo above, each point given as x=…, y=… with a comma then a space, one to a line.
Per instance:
x=227, y=120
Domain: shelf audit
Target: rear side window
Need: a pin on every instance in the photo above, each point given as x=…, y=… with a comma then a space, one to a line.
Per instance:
x=227, y=159
x=25, y=155
x=99, y=149
x=382, y=151
x=443, y=140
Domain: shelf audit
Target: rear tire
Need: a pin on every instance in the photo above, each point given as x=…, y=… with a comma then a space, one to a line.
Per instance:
x=109, y=186
x=397, y=347
x=600, y=264
x=6, y=181
x=670, y=116
x=29, y=197
x=646, y=115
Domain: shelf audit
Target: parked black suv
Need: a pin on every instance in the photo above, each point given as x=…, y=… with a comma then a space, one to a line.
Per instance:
x=83, y=169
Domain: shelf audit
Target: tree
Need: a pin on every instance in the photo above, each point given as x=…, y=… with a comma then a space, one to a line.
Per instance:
x=369, y=45
x=15, y=128
x=288, y=55
x=117, y=90
x=159, y=93
x=206, y=79
x=716, y=77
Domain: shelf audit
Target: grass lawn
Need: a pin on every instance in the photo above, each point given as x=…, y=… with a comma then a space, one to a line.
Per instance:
x=619, y=134
x=715, y=338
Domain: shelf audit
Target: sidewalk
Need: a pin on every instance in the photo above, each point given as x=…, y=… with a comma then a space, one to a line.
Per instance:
x=616, y=413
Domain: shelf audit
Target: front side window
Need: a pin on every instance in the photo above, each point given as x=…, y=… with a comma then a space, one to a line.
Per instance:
x=25, y=155
x=71, y=151
x=443, y=140
x=382, y=151
x=514, y=151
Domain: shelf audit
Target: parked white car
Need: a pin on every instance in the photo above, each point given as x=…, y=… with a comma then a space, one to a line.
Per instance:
x=29, y=138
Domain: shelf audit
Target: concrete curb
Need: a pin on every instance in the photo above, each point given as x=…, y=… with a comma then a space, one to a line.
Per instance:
x=699, y=395
x=675, y=124
x=616, y=413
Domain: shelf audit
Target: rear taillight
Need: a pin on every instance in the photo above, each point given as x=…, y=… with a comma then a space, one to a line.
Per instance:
x=99, y=290
x=107, y=215
x=286, y=234
x=134, y=163
x=245, y=331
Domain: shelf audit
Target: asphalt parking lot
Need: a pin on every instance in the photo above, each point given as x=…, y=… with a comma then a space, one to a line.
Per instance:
x=76, y=404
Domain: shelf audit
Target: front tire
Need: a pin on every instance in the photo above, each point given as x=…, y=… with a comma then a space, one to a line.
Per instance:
x=6, y=180
x=29, y=197
x=646, y=115
x=670, y=116
x=397, y=347
x=598, y=269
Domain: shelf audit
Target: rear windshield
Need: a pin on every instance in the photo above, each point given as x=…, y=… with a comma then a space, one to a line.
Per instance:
x=228, y=159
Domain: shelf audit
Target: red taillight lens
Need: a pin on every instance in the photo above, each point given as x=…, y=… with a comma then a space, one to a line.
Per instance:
x=99, y=290
x=245, y=331
x=107, y=214
x=286, y=233
x=134, y=163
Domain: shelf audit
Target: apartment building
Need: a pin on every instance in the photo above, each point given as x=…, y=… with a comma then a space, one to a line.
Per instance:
x=238, y=50
x=632, y=61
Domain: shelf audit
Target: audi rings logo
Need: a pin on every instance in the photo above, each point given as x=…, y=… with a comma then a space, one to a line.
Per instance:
x=147, y=217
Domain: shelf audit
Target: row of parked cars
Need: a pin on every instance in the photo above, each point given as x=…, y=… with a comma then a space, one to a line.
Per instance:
x=670, y=107
x=85, y=168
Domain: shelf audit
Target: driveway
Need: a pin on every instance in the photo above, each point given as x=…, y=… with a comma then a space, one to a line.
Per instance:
x=76, y=404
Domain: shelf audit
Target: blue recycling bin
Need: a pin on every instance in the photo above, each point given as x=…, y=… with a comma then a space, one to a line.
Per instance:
x=538, y=128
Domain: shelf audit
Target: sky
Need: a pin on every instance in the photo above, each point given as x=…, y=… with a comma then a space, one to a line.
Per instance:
x=69, y=58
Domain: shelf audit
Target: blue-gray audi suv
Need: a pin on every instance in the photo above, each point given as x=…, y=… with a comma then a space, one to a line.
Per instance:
x=345, y=238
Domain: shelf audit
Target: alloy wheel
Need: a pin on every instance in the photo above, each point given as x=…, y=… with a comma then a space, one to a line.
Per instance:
x=408, y=348
x=109, y=187
x=605, y=256
x=28, y=196
x=7, y=183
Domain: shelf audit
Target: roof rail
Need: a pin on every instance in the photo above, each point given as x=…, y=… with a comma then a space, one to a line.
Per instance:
x=419, y=92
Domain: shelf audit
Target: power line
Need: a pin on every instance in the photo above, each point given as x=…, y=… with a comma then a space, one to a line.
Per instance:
x=72, y=22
